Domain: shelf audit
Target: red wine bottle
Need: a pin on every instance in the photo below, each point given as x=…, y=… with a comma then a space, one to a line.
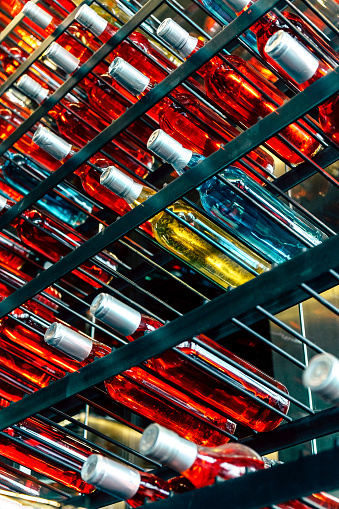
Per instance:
x=221, y=394
x=270, y=23
x=178, y=122
x=79, y=126
x=303, y=69
x=90, y=177
x=145, y=394
x=124, y=482
x=237, y=96
x=200, y=465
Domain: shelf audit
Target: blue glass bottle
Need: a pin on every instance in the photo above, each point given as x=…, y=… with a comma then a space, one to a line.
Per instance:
x=241, y=216
x=23, y=175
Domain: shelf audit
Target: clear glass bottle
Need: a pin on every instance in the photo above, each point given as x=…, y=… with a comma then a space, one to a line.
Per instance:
x=188, y=245
x=241, y=216
x=221, y=394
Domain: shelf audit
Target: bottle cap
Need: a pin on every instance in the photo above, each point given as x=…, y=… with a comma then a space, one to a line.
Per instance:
x=68, y=341
x=111, y=476
x=116, y=314
x=169, y=149
x=62, y=58
x=32, y=88
x=3, y=202
x=177, y=37
x=37, y=15
x=91, y=20
x=322, y=377
x=120, y=184
x=237, y=5
x=164, y=445
x=292, y=56
x=128, y=76
x=53, y=144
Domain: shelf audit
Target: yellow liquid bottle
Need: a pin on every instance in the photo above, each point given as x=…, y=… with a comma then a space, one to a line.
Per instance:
x=200, y=253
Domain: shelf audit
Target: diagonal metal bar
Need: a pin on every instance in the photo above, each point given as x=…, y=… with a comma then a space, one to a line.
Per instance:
x=234, y=150
x=309, y=267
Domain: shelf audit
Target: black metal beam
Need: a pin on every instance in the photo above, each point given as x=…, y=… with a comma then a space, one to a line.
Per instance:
x=266, y=487
x=297, y=432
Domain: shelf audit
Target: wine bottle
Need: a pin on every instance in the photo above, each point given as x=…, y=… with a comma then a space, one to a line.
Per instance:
x=12, y=479
x=243, y=217
x=303, y=68
x=270, y=23
x=237, y=96
x=144, y=393
x=197, y=250
x=23, y=175
x=12, y=254
x=322, y=377
x=223, y=395
x=124, y=482
x=90, y=177
x=22, y=329
x=19, y=367
x=47, y=23
x=54, y=241
x=201, y=465
x=79, y=126
x=178, y=122
x=104, y=31
x=8, y=123
x=11, y=280
x=58, y=445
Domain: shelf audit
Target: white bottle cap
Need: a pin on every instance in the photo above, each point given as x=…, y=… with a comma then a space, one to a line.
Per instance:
x=68, y=341
x=121, y=184
x=3, y=202
x=91, y=20
x=292, y=56
x=116, y=314
x=53, y=144
x=322, y=377
x=167, y=447
x=128, y=76
x=236, y=5
x=169, y=149
x=62, y=58
x=177, y=37
x=37, y=15
x=111, y=476
x=32, y=88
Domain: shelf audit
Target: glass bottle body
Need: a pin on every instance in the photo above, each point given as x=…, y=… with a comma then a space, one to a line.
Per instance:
x=23, y=181
x=249, y=223
x=38, y=236
x=228, y=462
x=221, y=394
x=197, y=251
x=151, y=489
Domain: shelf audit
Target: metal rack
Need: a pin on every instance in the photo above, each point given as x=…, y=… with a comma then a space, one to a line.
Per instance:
x=307, y=275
